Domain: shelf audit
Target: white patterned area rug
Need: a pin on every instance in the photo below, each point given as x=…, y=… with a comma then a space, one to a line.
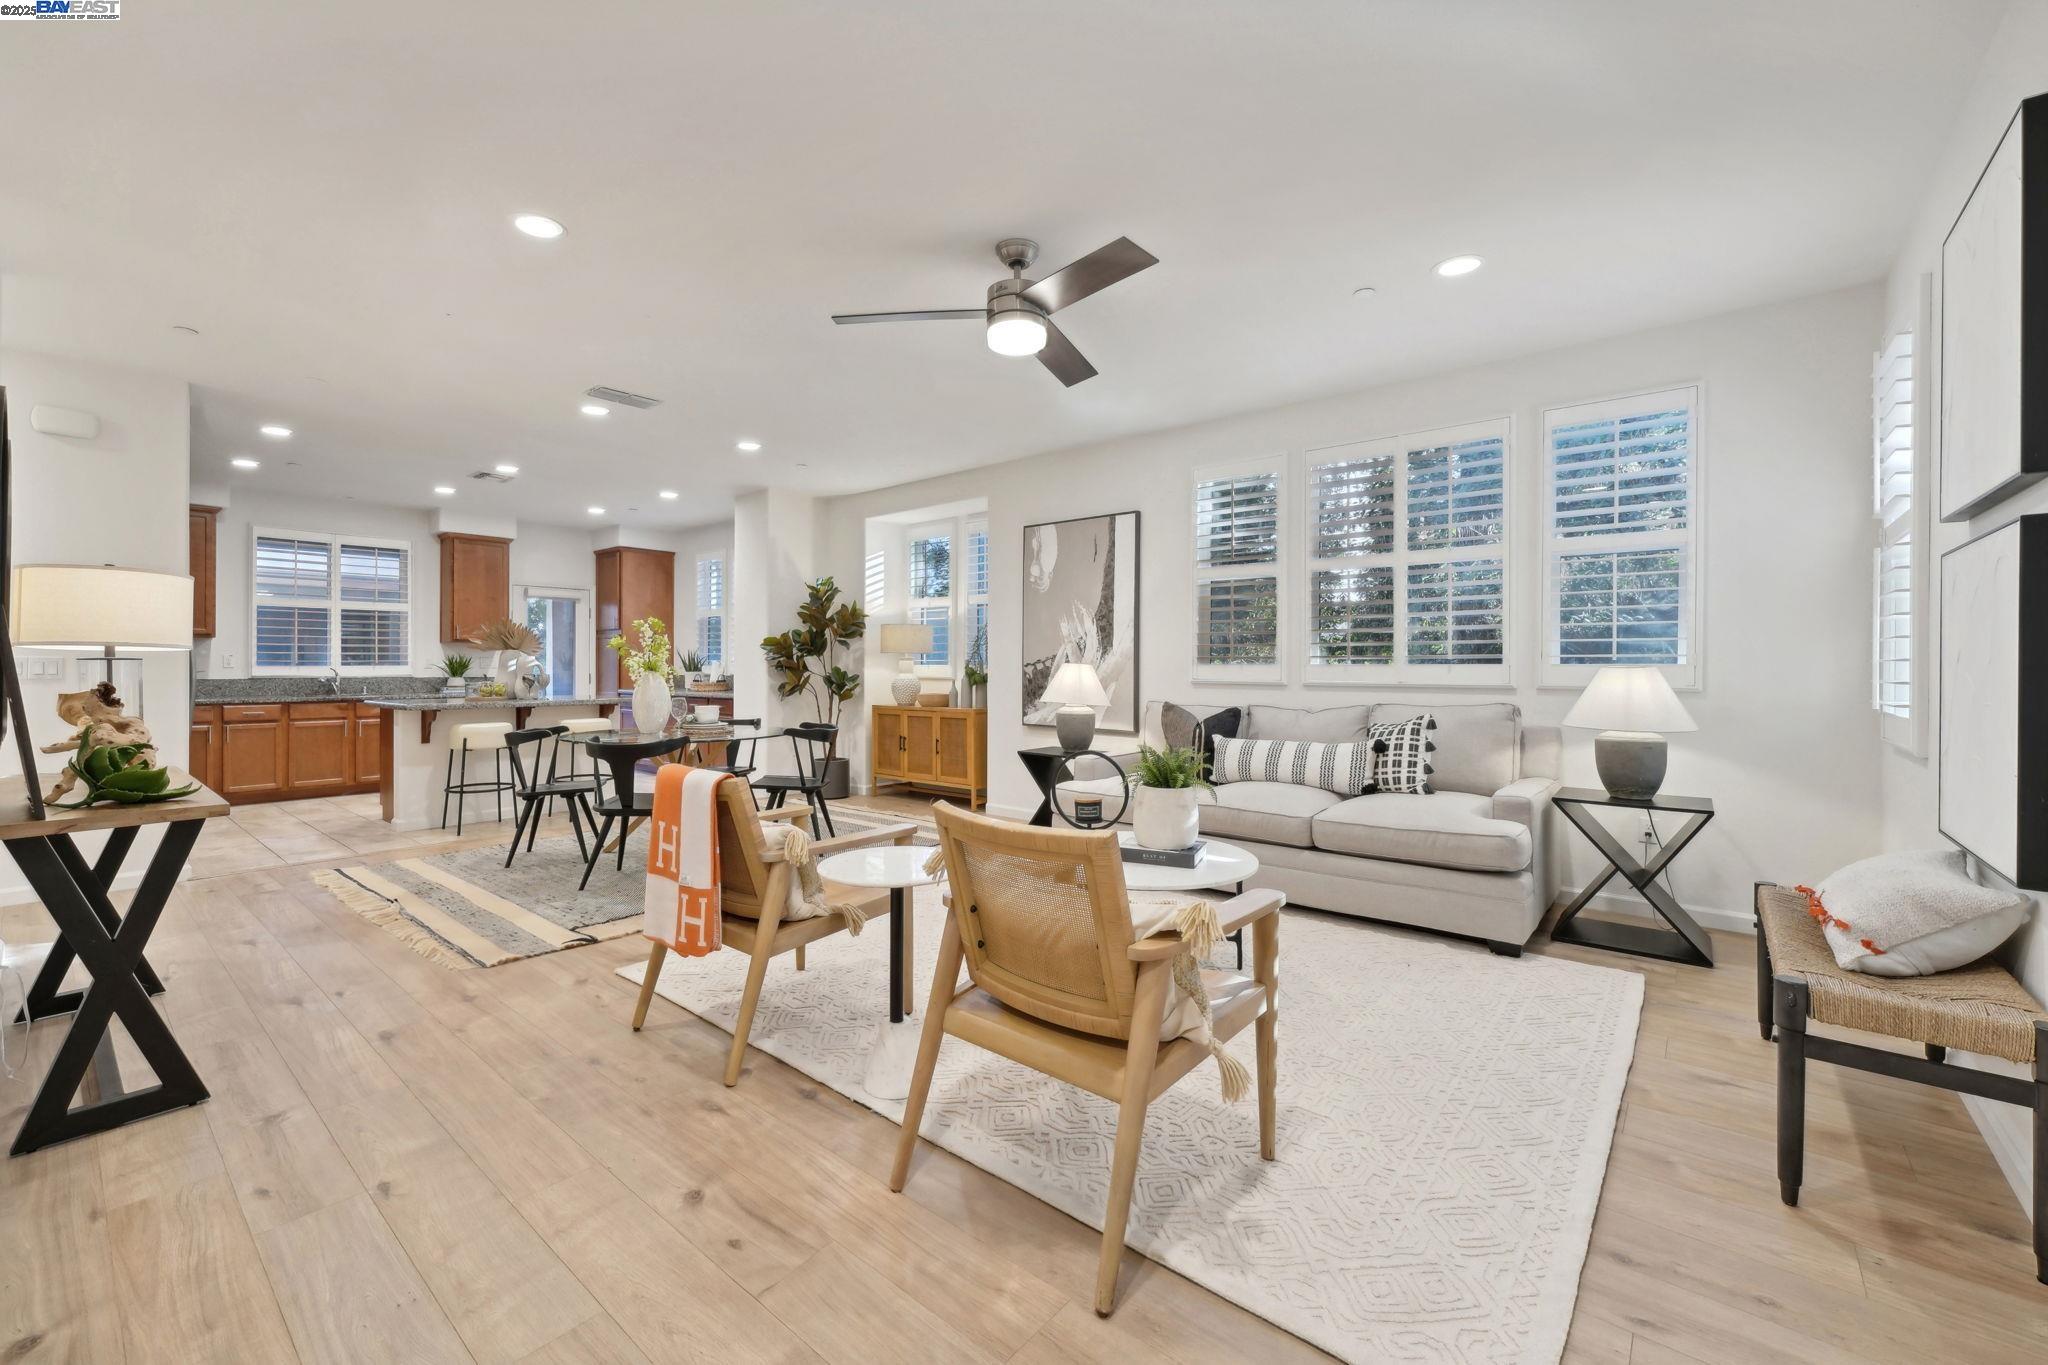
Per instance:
x=1444, y=1122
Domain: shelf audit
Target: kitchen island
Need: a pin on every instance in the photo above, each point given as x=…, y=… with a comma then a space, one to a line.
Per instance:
x=415, y=766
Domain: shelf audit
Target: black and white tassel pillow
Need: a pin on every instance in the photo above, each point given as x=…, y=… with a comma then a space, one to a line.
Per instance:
x=1403, y=750
x=1345, y=769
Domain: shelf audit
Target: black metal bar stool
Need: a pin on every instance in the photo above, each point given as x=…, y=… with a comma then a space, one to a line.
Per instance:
x=463, y=740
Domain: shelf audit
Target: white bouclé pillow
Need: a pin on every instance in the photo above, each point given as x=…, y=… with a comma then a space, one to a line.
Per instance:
x=1913, y=914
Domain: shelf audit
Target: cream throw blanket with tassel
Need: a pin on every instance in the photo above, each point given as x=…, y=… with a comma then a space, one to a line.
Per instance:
x=785, y=843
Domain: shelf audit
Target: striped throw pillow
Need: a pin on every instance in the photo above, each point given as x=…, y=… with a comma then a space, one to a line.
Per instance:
x=1403, y=754
x=1345, y=769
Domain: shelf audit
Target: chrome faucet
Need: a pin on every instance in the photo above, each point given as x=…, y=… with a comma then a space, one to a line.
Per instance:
x=333, y=682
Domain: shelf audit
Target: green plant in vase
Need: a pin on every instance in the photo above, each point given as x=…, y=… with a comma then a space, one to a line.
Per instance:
x=1166, y=787
x=975, y=674
x=807, y=658
x=649, y=659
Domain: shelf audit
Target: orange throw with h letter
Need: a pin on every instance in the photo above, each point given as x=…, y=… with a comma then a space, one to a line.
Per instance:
x=681, y=906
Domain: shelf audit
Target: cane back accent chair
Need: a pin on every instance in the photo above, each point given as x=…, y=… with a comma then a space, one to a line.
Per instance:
x=753, y=894
x=1059, y=982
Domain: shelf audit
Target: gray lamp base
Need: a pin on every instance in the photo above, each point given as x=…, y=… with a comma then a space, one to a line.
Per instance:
x=1631, y=763
x=1076, y=726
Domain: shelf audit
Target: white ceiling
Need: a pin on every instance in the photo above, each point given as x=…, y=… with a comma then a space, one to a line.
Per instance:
x=323, y=191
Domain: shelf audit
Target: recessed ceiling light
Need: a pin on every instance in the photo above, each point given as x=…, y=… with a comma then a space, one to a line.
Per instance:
x=274, y=432
x=595, y=511
x=1458, y=265
x=1364, y=291
x=749, y=446
x=670, y=494
x=537, y=225
x=506, y=468
x=244, y=462
x=595, y=410
x=444, y=490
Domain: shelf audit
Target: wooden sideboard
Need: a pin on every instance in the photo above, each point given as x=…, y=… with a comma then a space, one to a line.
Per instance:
x=939, y=747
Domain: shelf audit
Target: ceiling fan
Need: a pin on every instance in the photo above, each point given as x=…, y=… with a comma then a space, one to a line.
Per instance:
x=1019, y=310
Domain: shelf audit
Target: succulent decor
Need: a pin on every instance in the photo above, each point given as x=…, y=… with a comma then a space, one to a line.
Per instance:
x=119, y=772
x=808, y=657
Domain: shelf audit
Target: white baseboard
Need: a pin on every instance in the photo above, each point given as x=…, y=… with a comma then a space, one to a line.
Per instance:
x=19, y=893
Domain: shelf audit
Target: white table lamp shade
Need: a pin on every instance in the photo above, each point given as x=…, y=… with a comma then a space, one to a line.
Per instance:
x=92, y=606
x=1632, y=699
x=906, y=639
x=1076, y=685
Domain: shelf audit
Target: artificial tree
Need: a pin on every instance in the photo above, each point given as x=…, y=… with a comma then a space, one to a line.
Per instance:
x=807, y=658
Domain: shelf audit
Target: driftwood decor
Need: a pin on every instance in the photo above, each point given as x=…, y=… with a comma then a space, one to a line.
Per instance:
x=98, y=710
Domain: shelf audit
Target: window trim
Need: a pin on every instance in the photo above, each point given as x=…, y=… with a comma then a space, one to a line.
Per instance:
x=963, y=586
x=951, y=529
x=333, y=603
x=1281, y=465
x=1401, y=673
x=1908, y=733
x=1691, y=675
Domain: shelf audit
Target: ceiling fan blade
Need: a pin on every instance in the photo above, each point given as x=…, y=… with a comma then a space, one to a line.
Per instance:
x=922, y=315
x=1096, y=271
x=1068, y=365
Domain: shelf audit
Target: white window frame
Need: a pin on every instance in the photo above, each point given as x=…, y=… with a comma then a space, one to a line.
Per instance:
x=964, y=587
x=713, y=610
x=333, y=603
x=1400, y=671
x=1690, y=675
x=1911, y=342
x=1281, y=569
x=937, y=663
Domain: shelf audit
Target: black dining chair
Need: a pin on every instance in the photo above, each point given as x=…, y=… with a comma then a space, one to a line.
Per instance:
x=535, y=785
x=739, y=755
x=811, y=742
x=623, y=803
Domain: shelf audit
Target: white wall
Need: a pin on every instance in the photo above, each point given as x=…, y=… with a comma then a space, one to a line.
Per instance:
x=2015, y=68
x=118, y=498
x=1787, y=743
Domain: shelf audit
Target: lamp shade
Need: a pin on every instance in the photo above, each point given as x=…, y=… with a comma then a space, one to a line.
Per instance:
x=1629, y=699
x=91, y=606
x=910, y=639
x=1075, y=685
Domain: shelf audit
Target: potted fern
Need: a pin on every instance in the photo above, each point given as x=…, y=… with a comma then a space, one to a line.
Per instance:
x=1164, y=803
x=807, y=662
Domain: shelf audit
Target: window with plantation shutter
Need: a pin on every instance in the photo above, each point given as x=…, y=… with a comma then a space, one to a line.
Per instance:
x=324, y=602
x=931, y=589
x=1238, y=534
x=1897, y=438
x=1622, y=512
x=976, y=624
x=1407, y=569
x=711, y=608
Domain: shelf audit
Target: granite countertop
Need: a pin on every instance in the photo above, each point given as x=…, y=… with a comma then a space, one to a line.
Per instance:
x=441, y=703
x=268, y=691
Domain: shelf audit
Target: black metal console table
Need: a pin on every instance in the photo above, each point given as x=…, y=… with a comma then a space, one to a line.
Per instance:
x=1689, y=943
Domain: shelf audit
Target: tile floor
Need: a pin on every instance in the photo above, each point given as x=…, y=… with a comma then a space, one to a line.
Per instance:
x=281, y=832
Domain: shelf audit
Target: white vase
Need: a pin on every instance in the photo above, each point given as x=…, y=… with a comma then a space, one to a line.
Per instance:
x=651, y=702
x=904, y=688
x=1164, y=817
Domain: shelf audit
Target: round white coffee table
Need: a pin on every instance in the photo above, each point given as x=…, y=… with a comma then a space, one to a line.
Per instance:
x=897, y=867
x=1222, y=867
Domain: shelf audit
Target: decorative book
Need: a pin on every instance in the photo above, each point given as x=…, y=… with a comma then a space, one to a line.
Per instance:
x=1166, y=857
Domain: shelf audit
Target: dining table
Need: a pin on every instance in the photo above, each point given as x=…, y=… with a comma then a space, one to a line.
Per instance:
x=696, y=745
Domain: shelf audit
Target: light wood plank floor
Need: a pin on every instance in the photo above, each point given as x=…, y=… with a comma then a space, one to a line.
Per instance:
x=404, y=1163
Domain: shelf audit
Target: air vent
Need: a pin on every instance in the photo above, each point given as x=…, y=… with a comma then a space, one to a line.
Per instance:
x=492, y=476
x=631, y=400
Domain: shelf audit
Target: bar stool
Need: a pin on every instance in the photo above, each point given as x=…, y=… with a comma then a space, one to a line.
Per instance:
x=581, y=725
x=477, y=737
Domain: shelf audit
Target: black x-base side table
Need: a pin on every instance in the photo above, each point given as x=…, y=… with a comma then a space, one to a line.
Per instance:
x=1689, y=943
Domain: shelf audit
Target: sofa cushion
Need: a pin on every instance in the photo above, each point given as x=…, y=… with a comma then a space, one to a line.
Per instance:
x=1331, y=725
x=1345, y=769
x=1270, y=812
x=1443, y=829
x=1478, y=745
x=1403, y=756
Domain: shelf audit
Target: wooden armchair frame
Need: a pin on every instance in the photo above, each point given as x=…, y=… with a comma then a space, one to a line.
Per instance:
x=1107, y=1042
x=753, y=896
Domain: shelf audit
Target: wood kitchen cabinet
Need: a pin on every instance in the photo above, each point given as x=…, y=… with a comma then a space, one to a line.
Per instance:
x=943, y=747
x=369, y=748
x=286, y=751
x=632, y=585
x=320, y=748
x=205, y=529
x=476, y=583
x=204, y=761
x=252, y=752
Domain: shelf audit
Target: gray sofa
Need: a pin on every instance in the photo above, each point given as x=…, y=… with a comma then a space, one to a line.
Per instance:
x=1472, y=857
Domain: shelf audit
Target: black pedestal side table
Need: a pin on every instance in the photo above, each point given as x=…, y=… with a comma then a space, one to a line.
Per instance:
x=109, y=946
x=1044, y=765
x=1689, y=943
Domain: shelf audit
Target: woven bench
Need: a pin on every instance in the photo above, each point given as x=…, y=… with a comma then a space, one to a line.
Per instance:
x=1980, y=1008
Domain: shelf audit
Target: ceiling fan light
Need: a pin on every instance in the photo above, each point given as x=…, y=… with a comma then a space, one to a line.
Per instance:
x=1016, y=334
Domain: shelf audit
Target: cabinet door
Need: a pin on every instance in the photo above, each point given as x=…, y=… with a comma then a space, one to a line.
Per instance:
x=921, y=743
x=476, y=583
x=252, y=758
x=956, y=747
x=201, y=526
x=201, y=762
x=369, y=749
x=888, y=731
x=317, y=755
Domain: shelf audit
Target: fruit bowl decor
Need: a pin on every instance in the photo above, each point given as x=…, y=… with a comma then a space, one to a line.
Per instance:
x=119, y=772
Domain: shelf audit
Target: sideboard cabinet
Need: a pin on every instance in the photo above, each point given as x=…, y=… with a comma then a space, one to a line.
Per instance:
x=940, y=748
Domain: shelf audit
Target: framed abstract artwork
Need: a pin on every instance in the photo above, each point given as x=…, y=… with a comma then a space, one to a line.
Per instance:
x=1993, y=742
x=1994, y=326
x=1081, y=606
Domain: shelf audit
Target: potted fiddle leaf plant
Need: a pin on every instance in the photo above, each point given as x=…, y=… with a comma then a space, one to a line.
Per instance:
x=1164, y=797
x=807, y=660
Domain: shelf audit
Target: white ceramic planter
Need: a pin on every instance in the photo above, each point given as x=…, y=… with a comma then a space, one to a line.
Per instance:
x=1164, y=817
x=651, y=702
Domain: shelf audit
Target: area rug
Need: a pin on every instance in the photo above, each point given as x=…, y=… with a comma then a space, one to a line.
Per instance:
x=1443, y=1129
x=467, y=909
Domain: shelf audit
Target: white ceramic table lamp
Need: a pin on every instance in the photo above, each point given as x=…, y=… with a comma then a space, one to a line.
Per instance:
x=1078, y=692
x=904, y=641
x=1633, y=708
x=100, y=606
